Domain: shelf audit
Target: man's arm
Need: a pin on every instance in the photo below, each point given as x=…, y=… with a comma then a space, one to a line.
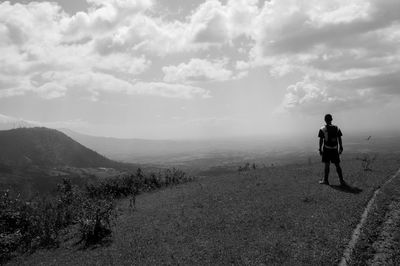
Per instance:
x=321, y=142
x=340, y=145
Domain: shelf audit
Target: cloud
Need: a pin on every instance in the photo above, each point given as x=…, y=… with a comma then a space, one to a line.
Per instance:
x=315, y=97
x=103, y=17
x=143, y=34
x=197, y=70
x=121, y=63
x=29, y=24
x=169, y=90
x=212, y=24
x=35, y=57
x=51, y=90
x=308, y=24
x=306, y=94
x=96, y=85
x=130, y=5
x=342, y=47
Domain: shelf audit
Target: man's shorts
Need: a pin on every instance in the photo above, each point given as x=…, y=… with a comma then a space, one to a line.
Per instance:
x=330, y=155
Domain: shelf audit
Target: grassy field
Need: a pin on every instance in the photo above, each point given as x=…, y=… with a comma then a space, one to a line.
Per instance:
x=271, y=216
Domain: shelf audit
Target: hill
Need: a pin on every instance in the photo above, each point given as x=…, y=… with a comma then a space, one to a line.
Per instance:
x=269, y=216
x=35, y=160
x=46, y=148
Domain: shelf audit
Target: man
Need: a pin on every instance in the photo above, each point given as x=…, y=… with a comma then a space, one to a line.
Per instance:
x=330, y=138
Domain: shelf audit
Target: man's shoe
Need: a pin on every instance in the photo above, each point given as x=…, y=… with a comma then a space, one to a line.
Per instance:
x=324, y=182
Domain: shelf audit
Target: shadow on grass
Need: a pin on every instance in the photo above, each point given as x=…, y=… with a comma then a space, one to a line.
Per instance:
x=80, y=244
x=92, y=246
x=347, y=189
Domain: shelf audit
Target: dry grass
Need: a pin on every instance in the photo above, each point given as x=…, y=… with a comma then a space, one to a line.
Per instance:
x=278, y=215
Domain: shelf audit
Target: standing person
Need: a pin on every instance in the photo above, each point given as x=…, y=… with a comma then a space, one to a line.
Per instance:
x=330, y=139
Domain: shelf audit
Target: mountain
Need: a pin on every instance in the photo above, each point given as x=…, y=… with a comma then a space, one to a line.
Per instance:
x=160, y=152
x=34, y=160
x=46, y=148
x=132, y=150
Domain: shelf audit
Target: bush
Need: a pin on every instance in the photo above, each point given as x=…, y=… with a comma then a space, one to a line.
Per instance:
x=39, y=222
x=28, y=225
x=95, y=220
x=119, y=187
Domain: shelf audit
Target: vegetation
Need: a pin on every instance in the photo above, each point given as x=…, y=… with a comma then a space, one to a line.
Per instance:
x=367, y=161
x=259, y=218
x=247, y=167
x=41, y=221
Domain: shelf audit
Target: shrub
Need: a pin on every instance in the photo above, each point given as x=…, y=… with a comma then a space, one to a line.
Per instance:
x=26, y=225
x=367, y=161
x=95, y=220
x=39, y=222
x=118, y=187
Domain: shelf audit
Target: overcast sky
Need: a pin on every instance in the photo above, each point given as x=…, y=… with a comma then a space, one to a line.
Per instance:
x=195, y=69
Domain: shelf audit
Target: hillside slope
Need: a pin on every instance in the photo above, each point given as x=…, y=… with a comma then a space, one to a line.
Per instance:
x=270, y=216
x=46, y=147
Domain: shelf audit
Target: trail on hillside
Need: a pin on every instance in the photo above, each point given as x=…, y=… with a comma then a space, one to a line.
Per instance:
x=357, y=231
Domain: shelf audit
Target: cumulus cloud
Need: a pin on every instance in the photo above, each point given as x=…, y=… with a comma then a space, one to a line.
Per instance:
x=212, y=24
x=307, y=24
x=197, y=70
x=147, y=35
x=49, y=53
x=343, y=47
x=215, y=22
x=306, y=94
x=316, y=96
x=103, y=17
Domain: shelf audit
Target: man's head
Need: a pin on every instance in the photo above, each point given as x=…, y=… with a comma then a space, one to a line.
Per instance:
x=328, y=118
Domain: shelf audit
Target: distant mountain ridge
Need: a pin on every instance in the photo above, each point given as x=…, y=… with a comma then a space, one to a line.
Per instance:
x=130, y=150
x=46, y=147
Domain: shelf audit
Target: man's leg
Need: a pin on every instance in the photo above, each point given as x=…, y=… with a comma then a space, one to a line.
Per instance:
x=327, y=166
x=340, y=173
x=326, y=175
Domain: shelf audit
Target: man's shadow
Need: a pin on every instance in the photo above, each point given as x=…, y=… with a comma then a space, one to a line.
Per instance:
x=347, y=188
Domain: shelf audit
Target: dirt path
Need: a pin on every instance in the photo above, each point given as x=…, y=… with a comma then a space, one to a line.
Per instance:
x=357, y=231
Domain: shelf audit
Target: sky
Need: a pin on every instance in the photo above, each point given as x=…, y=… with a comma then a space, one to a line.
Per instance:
x=176, y=69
